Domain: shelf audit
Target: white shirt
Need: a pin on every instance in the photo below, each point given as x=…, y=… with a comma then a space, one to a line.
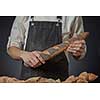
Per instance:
x=19, y=32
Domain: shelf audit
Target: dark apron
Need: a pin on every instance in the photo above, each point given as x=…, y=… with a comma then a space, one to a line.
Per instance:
x=42, y=35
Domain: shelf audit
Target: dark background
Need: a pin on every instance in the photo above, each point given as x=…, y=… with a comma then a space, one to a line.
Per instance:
x=90, y=63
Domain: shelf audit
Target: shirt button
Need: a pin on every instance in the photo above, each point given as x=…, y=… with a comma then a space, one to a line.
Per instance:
x=32, y=24
x=57, y=24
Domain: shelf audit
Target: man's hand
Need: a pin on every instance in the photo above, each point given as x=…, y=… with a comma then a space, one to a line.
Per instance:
x=32, y=59
x=77, y=48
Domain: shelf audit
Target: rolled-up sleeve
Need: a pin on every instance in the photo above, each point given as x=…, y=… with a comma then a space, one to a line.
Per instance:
x=77, y=25
x=17, y=35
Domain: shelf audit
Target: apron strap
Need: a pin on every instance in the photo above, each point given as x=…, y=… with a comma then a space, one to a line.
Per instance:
x=32, y=18
x=59, y=17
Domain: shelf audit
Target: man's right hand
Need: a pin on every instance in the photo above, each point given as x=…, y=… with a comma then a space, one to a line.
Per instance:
x=32, y=59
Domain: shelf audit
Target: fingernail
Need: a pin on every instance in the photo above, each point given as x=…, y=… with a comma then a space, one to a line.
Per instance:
x=43, y=62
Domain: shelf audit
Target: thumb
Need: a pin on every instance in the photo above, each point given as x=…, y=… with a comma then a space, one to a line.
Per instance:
x=75, y=35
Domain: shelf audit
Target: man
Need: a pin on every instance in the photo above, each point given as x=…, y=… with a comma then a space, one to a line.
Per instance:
x=30, y=35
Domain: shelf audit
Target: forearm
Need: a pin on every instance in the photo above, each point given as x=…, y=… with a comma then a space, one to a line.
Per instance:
x=15, y=52
x=32, y=59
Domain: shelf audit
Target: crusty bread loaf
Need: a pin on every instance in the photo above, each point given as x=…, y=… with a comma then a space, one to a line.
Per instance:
x=57, y=49
x=84, y=77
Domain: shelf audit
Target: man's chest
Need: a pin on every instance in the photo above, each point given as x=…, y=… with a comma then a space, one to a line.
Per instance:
x=46, y=18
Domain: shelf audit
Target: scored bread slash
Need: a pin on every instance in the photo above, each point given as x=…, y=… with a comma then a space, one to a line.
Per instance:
x=84, y=75
x=92, y=77
x=47, y=52
x=56, y=47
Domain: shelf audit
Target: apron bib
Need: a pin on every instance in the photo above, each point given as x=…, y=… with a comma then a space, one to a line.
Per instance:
x=42, y=35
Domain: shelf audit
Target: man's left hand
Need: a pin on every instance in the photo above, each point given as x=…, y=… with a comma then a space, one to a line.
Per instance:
x=77, y=48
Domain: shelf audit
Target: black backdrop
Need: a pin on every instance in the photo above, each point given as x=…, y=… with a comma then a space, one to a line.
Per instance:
x=90, y=63
x=92, y=24
x=7, y=65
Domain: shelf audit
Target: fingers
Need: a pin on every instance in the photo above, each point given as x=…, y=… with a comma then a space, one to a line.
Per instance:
x=78, y=43
x=78, y=53
x=32, y=63
x=38, y=56
x=77, y=48
x=32, y=59
x=36, y=59
x=28, y=63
